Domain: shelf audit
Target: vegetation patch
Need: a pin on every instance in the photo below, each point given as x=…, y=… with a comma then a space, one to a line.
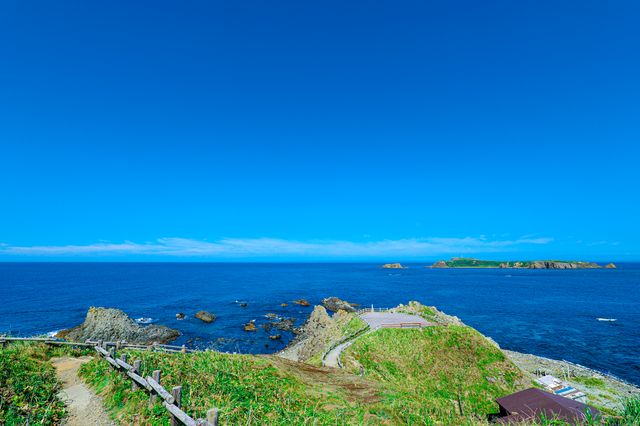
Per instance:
x=246, y=389
x=448, y=374
x=28, y=386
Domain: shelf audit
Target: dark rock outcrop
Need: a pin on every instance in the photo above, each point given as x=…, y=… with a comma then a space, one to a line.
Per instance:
x=180, y=316
x=540, y=264
x=393, y=266
x=334, y=304
x=302, y=302
x=250, y=326
x=114, y=325
x=205, y=316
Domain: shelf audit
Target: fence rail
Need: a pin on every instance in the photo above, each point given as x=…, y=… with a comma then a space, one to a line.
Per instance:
x=151, y=384
x=372, y=309
x=405, y=325
x=91, y=343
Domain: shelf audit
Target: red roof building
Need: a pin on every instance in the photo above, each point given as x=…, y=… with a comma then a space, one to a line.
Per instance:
x=535, y=404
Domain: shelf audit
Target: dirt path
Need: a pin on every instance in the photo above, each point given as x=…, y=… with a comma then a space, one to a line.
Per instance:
x=83, y=406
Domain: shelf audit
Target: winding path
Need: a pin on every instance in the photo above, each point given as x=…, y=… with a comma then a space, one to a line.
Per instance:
x=84, y=408
x=375, y=320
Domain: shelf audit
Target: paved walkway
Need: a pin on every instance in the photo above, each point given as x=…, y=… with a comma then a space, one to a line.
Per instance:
x=385, y=319
x=84, y=408
x=375, y=320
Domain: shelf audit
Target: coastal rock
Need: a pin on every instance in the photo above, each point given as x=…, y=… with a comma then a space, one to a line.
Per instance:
x=243, y=304
x=250, y=326
x=611, y=266
x=540, y=264
x=302, y=302
x=275, y=337
x=114, y=325
x=285, y=324
x=284, y=305
x=440, y=264
x=205, y=316
x=313, y=336
x=334, y=304
x=180, y=316
x=393, y=266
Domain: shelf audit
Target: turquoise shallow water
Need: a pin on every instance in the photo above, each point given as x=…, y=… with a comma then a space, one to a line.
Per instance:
x=548, y=313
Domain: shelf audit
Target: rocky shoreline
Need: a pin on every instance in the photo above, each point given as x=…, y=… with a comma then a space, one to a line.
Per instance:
x=321, y=330
x=603, y=389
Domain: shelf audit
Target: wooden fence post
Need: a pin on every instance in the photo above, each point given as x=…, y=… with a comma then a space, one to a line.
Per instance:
x=112, y=351
x=124, y=357
x=184, y=349
x=136, y=369
x=176, y=392
x=212, y=416
x=154, y=396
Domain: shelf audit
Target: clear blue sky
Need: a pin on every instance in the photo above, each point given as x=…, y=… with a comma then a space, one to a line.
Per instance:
x=289, y=130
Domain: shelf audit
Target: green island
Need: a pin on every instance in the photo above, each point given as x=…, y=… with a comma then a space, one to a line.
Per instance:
x=469, y=262
x=446, y=373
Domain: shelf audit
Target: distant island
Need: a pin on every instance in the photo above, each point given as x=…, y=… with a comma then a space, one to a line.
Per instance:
x=469, y=262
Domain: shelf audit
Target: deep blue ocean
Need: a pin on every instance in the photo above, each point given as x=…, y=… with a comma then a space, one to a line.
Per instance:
x=551, y=313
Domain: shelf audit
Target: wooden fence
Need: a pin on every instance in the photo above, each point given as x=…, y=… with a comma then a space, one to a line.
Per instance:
x=170, y=400
x=406, y=325
x=89, y=344
x=108, y=350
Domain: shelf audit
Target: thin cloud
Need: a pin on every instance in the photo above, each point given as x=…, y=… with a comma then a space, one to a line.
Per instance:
x=273, y=247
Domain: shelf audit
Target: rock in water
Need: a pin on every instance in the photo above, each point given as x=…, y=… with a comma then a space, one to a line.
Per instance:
x=250, y=326
x=334, y=304
x=611, y=266
x=440, y=264
x=392, y=266
x=205, y=316
x=302, y=302
x=180, y=316
x=115, y=325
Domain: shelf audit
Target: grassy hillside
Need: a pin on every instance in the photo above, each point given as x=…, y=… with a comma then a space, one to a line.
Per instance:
x=247, y=389
x=28, y=386
x=412, y=377
x=445, y=373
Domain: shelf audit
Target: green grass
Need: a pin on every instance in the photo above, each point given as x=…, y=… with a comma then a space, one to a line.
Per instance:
x=354, y=325
x=28, y=386
x=247, y=389
x=591, y=381
x=435, y=371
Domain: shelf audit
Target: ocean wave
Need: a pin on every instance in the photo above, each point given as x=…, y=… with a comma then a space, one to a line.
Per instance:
x=144, y=320
x=607, y=319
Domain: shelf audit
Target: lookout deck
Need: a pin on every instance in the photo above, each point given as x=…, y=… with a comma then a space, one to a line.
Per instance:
x=393, y=320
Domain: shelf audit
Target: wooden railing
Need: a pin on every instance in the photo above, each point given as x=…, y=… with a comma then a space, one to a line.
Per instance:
x=108, y=350
x=405, y=325
x=91, y=343
x=170, y=400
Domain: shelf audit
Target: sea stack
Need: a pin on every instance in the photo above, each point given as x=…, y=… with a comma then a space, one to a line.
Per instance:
x=115, y=325
x=393, y=266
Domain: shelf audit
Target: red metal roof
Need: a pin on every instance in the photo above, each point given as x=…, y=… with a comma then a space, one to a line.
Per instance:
x=534, y=403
